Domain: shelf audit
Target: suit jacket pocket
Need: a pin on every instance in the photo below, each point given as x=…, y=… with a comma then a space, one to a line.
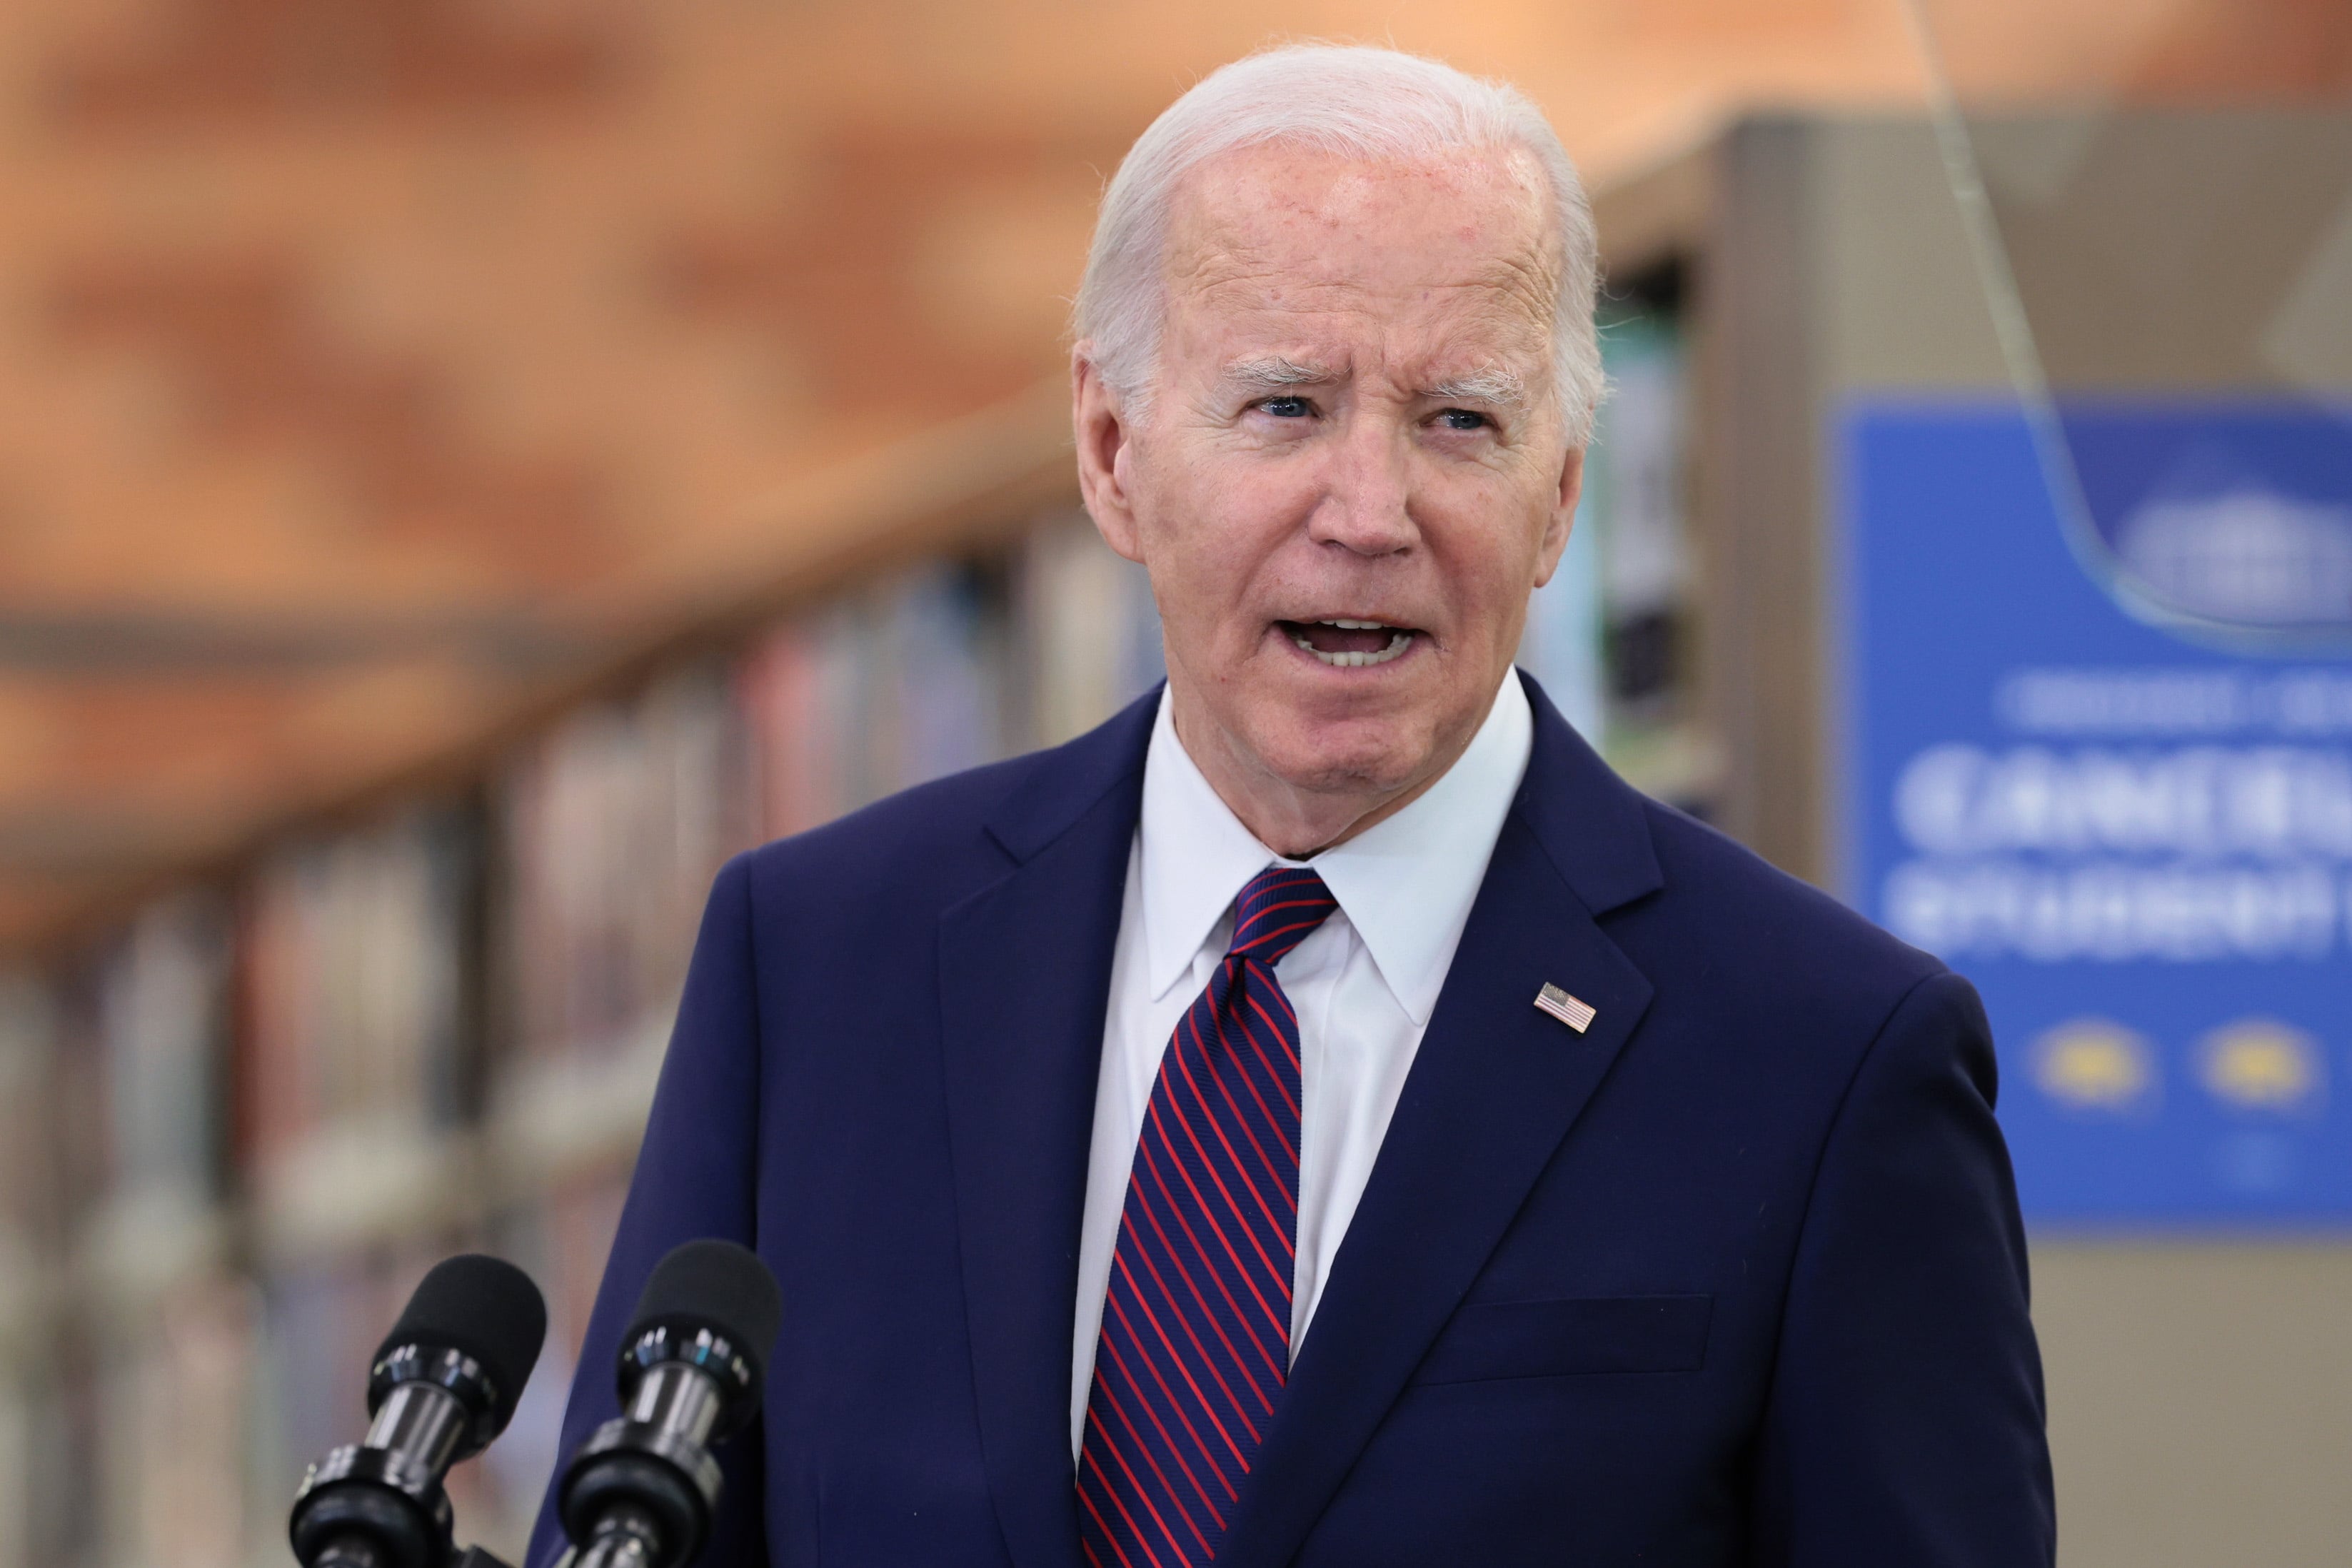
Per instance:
x=1489, y=1339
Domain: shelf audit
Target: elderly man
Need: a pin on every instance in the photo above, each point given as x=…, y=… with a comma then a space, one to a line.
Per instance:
x=1323, y=1116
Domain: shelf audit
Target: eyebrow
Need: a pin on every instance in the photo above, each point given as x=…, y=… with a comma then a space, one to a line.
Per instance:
x=1497, y=385
x=1275, y=371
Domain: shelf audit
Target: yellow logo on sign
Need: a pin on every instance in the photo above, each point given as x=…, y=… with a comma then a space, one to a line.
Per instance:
x=2260, y=1064
x=2092, y=1064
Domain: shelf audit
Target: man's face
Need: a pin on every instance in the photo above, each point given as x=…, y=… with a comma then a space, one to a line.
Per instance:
x=1353, y=470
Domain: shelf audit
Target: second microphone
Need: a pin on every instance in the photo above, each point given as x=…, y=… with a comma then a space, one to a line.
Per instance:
x=641, y=1492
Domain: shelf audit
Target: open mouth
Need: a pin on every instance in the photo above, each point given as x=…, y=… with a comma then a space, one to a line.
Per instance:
x=1349, y=644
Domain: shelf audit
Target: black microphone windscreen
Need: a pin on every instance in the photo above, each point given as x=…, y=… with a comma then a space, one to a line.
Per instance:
x=484, y=1306
x=719, y=1286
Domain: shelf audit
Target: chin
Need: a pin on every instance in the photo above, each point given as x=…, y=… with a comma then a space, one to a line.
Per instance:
x=1345, y=755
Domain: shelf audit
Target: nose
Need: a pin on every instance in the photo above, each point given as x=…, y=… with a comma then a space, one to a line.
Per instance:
x=1366, y=504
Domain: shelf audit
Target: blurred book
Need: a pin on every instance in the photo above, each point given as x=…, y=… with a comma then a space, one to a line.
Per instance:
x=356, y=1028
x=1611, y=637
x=163, y=996
x=1089, y=628
x=177, y=1418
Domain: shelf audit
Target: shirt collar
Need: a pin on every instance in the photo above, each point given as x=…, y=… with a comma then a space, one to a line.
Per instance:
x=1405, y=884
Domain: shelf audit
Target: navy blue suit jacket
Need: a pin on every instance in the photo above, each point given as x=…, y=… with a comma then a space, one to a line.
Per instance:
x=1735, y=1277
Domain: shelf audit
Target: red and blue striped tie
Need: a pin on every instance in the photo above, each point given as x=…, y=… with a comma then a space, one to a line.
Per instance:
x=1195, y=1343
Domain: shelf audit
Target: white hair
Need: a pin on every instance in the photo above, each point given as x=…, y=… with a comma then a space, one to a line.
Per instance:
x=1354, y=102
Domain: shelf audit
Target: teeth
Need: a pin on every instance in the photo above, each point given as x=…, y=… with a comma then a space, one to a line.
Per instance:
x=1397, y=645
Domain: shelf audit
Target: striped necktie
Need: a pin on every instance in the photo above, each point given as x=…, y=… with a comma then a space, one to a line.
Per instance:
x=1195, y=1343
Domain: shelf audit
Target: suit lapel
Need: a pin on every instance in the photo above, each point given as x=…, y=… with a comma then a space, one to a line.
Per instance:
x=1025, y=976
x=1494, y=1087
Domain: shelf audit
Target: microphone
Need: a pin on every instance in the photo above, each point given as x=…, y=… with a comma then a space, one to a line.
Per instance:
x=641, y=1492
x=442, y=1383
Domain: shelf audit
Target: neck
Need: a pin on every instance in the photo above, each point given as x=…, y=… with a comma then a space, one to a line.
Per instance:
x=1296, y=821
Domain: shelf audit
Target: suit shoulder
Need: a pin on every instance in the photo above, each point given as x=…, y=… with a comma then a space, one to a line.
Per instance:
x=946, y=818
x=935, y=842
x=1761, y=932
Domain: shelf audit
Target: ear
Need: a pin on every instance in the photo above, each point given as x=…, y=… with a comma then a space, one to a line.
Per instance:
x=1562, y=518
x=1105, y=453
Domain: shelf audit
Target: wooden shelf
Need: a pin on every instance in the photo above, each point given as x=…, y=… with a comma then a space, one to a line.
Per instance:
x=363, y=1183
x=575, y=1113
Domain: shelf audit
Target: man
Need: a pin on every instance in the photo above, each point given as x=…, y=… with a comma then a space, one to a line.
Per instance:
x=1323, y=1116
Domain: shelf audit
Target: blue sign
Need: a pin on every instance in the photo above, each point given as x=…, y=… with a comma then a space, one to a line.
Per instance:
x=2129, y=827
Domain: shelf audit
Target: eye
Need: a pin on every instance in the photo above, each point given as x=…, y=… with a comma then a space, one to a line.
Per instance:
x=1288, y=407
x=1464, y=419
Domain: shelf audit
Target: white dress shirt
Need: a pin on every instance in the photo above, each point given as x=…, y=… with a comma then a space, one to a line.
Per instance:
x=1363, y=983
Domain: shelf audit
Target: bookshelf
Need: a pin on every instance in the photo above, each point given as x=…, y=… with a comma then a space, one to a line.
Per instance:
x=243, y=1119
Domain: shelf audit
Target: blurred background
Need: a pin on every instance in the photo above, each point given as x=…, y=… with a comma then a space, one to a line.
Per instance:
x=468, y=467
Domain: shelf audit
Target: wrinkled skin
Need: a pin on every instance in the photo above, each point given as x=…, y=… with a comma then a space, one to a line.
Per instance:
x=1354, y=418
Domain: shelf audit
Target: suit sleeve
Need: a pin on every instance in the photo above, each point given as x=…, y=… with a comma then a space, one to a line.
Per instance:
x=1906, y=1423
x=696, y=1177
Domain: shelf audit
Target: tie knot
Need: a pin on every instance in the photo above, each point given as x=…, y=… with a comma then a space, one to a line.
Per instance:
x=1276, y=910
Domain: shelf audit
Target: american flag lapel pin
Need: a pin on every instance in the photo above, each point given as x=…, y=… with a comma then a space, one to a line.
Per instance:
x=1577, y=1014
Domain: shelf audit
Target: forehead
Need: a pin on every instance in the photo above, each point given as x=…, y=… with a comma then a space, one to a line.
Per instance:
x=1291, y=239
